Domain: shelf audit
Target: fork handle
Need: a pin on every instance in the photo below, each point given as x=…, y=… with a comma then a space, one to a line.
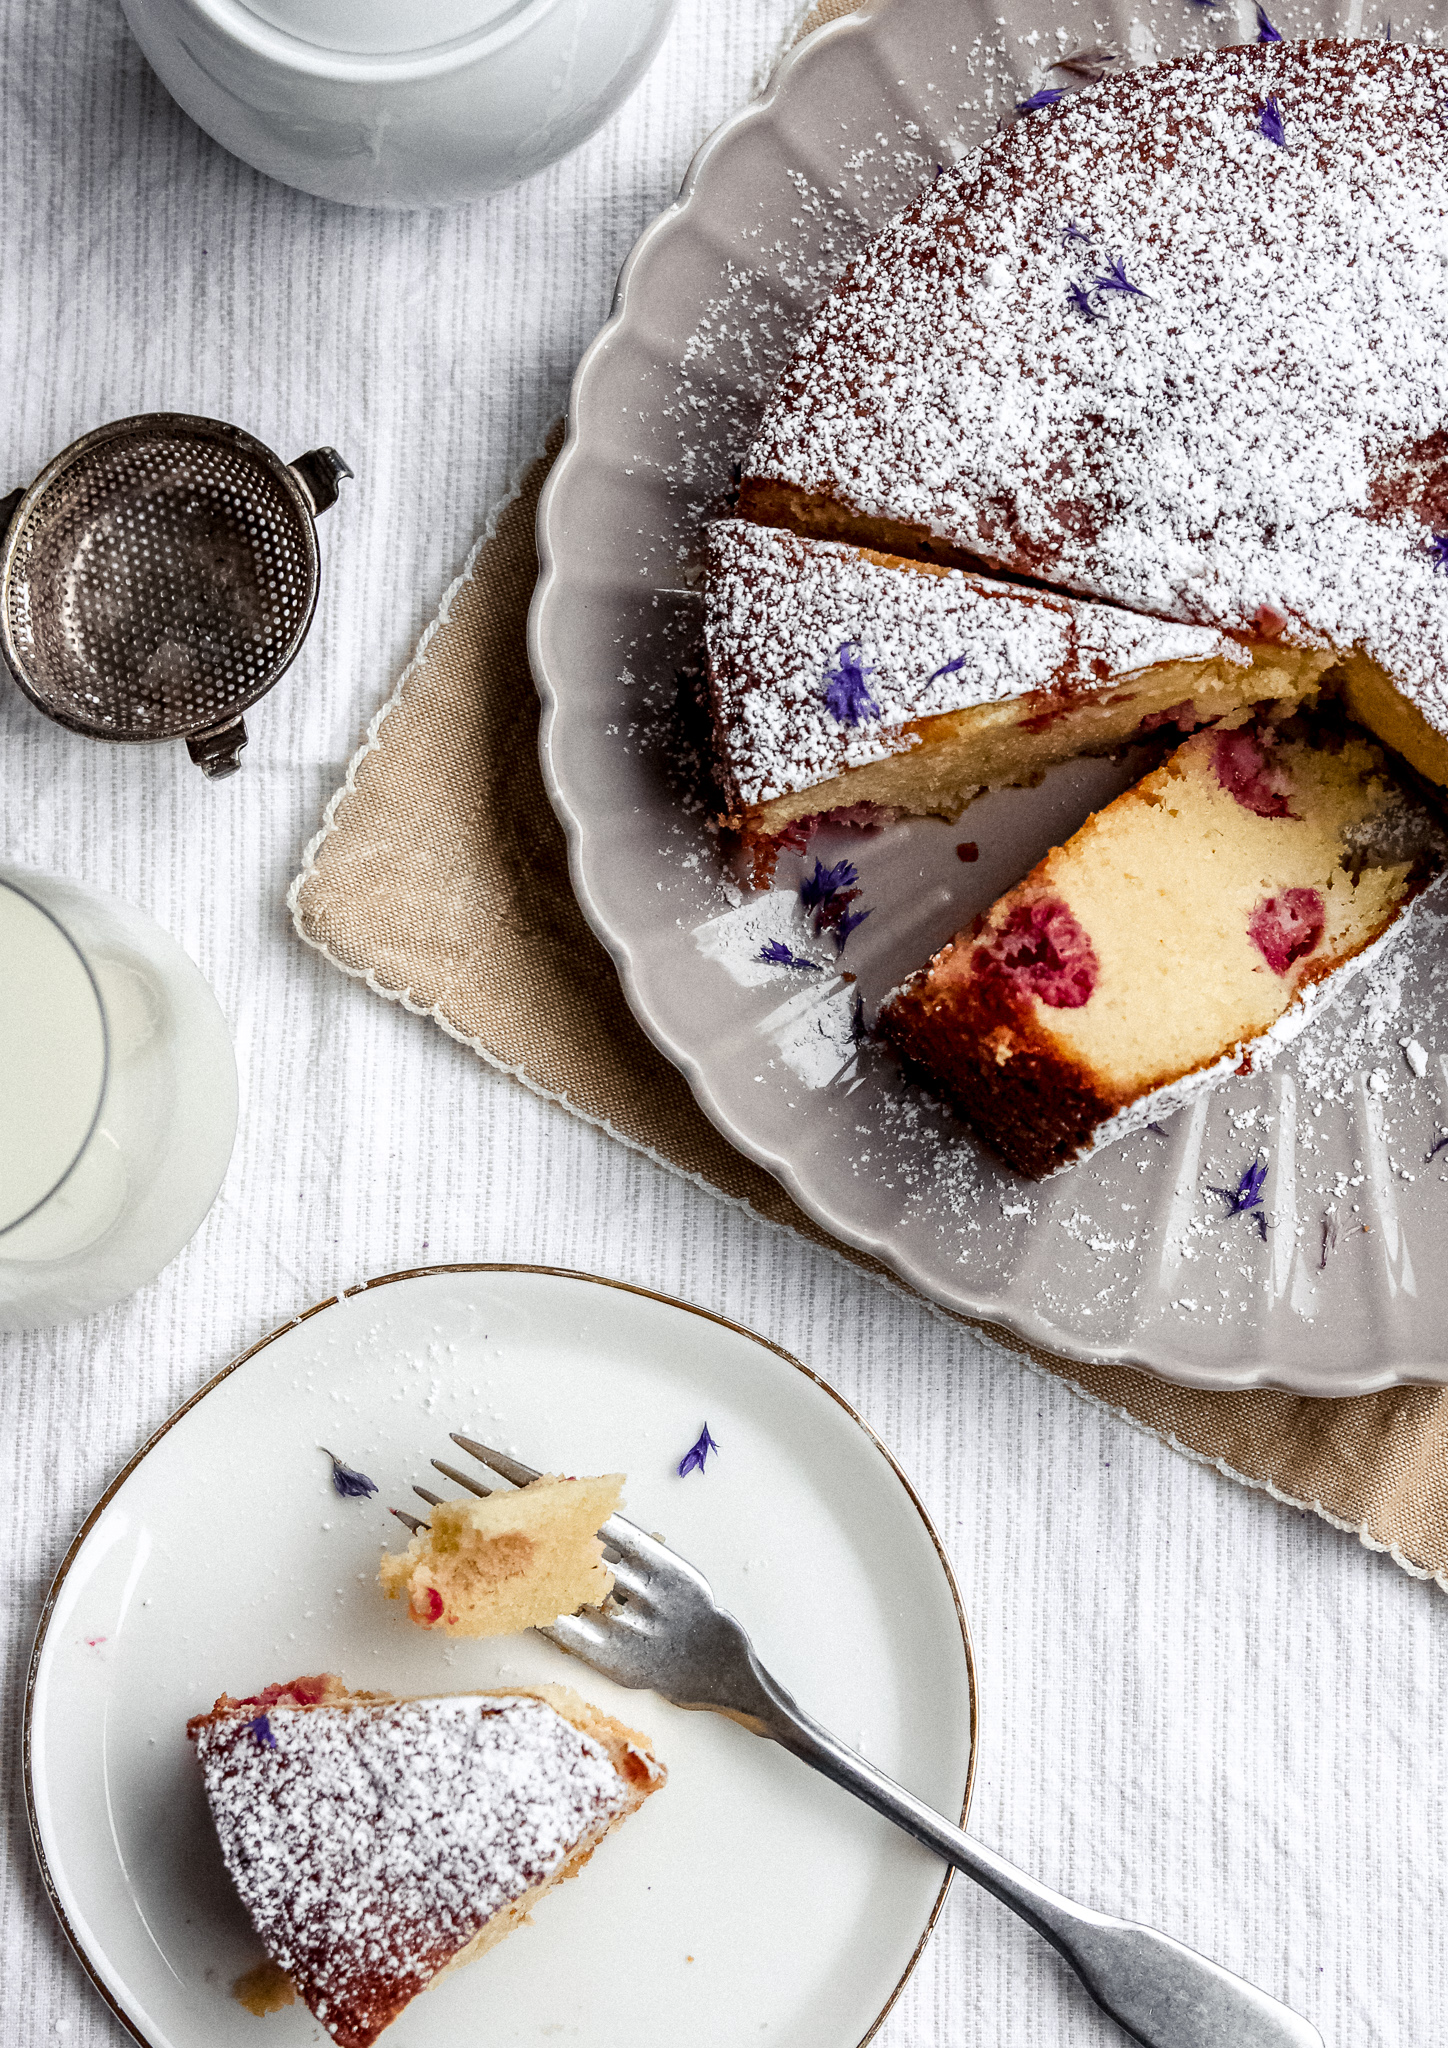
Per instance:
x=1161, y=1992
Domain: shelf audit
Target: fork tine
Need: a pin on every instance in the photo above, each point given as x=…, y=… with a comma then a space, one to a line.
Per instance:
x=434, y=1500
x=510, y=1468
x=627, y=1538
x=409, y=1521
x=460, y=1479
x=579, y=1633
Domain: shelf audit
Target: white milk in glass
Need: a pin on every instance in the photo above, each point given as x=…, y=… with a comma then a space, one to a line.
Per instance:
x=117, y=1099
x=52, y=1056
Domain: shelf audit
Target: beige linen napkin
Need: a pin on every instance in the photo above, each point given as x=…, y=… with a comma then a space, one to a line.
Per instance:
x=441, y=876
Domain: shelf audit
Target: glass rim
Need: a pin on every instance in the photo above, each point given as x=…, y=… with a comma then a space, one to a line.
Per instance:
x=8, y=881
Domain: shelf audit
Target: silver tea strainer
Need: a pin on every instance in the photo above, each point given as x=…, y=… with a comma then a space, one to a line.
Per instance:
x=159, y=576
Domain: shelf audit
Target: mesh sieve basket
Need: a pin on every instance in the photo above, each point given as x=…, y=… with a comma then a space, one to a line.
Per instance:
x=159, y=576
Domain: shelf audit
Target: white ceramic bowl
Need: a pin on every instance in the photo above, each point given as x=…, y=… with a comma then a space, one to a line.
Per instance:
x=378, y=104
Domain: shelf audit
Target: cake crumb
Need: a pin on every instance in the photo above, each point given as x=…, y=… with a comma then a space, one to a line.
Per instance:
x=264, y=1989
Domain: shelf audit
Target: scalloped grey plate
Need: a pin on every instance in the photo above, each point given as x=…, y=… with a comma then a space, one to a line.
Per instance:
x=1334, y=1286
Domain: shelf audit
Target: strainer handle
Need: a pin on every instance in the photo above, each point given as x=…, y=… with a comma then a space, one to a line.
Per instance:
x=8, y=509
x=320, y=471
x=218, y=753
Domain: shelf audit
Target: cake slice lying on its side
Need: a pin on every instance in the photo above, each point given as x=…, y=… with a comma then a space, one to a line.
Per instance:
x=377, y=1841
x=1185, y=932
x=844, y=681
x=512, y=1561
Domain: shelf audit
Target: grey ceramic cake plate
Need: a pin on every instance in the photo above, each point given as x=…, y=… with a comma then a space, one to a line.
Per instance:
x=1334, y=1285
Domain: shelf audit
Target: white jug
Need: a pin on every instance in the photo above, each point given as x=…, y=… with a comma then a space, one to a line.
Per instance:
x=400, y=103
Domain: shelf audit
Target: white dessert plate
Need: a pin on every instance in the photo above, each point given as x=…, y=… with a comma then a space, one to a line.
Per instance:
x=1333, y=1286
x=750, y=1901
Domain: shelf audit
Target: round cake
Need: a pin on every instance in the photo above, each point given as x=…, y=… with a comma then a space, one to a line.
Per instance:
x=1176, y=342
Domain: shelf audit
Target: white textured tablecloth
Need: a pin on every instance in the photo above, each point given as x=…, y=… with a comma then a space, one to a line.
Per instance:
x=1200, y=1707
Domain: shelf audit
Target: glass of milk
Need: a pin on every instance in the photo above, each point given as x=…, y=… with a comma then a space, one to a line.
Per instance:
x=117, y=1099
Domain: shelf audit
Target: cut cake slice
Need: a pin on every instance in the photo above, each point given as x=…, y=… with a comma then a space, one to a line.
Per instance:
x=852, y=684
x=1187, y=931
x=511, y=1561
x=378, y=1841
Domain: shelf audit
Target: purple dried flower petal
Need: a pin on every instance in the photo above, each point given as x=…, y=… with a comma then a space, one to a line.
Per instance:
x=1439, y=548
x=777, y=954
x=826, y=882
x=833, y=909
x=1266, y=33
x=1116, y=280
x=1248, y=1192
x=859, y=1029
x=1270, y=121
x=1074, y=232
x=848, y=923
x=1046, y=97
x=261, y=1728
x=847, y=696
x=1079, y=299
x=351, y=1485
x=693, y=1458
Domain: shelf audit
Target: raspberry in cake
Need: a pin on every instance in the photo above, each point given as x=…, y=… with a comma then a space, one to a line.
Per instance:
x=515, y=1560
x=1186, y=932
x=1175, y=343
x=844, y=680
x=377, y=1842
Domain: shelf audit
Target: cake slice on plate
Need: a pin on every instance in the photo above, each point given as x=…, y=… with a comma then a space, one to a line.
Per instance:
x=1187, y=931
x=851, y=684
x=378, y=1841
x=515, y=1560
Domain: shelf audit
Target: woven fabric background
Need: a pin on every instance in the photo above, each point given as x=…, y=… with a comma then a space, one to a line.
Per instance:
x=1199, y=1706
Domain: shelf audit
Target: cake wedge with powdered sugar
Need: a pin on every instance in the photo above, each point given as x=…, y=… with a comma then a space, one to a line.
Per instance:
x=1188, y=931
x=378, y=1841
x=848, y=684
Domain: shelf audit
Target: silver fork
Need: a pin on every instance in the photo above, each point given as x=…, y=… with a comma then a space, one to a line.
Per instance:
x=663, y=1629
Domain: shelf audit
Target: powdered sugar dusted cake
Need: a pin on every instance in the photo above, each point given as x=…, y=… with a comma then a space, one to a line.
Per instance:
x=377, y=1841
x=842, y=677
x=1185, y=932
x=1176, y=342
